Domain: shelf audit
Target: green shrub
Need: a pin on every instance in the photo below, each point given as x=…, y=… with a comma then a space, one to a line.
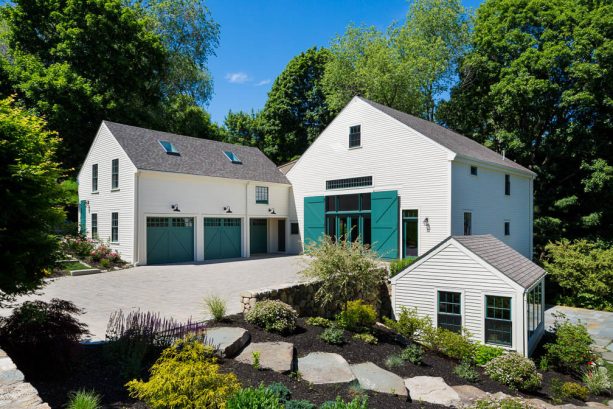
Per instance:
x=273, y=316
x=186, y=375
x=105, y=263
x=466, y=371
x=571, y=349
x=515, y=371
x=83, y=400
x=358, y=316
x=42, y=337
x=254, y=398
x=394, y=361
x=215, y=306
x=507, y=403
x=397, y=266
x=77, y=246
x=413, y=353
x=319, y=322
x=299, y=404
x=485, y=353
x=345, y=270
x=281, y=391
x=409, y=324
x=256, y=359
x=597, y=380
x=332, y=335
x=367, y=338
x=360, y=402
x=575, y=390
x=452, y=344
x=555, y=391
x=584, y=271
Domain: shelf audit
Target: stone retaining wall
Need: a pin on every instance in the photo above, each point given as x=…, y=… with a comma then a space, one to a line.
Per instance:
x=301, y=296
x=15, y=393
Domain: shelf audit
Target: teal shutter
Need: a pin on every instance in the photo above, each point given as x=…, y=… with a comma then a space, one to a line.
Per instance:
x=385, y=217
x=314, y=218
x=83, y=214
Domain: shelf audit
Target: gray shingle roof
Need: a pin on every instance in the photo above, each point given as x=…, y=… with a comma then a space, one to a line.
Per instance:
x=503, y=258
x=197, y=156
x=459, y=144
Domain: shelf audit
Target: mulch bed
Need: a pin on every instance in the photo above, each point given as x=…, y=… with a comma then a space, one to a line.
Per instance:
x=95, y=372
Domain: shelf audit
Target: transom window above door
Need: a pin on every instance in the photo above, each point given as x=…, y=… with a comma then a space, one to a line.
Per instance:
x=449, y=311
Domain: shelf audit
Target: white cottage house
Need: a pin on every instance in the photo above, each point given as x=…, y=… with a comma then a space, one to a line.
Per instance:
x=157, y=197
x=404, y=185
x=480, y=284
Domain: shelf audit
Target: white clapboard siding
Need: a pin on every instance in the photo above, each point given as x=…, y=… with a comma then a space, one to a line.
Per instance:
x=451, y=268
x=104, y=149
x=397, y=158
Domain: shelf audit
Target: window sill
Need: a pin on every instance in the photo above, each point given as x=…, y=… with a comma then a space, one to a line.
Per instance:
x=355, y=147
x=115, y=243
x=261, y=202
x=115, y=189
x=95, y=192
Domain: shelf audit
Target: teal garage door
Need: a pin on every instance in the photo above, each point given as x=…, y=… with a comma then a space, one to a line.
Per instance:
x=258, y=236
x=222, y=238
x=170, y=239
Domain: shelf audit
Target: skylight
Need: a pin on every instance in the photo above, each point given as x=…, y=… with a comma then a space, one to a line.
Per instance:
x=169, y=148
x=233, y=158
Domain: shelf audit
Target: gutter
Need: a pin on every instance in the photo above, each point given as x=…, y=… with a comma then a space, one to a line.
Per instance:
x=136, y=250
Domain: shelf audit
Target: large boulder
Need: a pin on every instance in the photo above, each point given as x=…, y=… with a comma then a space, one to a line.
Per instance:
x=227, y=341
x=324, y=367
x=277, y=356
x=374, y=378
x=431, y=389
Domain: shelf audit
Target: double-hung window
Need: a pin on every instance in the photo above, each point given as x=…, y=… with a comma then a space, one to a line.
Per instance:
x=94, y=225
x=261, y=194
x=95, y=177
x=449, y=314
x=115, y=174
x=498, y=320
x=507, y=185
x=355, y=136
x=114, y=227
x=468, y=223
x=507, y=228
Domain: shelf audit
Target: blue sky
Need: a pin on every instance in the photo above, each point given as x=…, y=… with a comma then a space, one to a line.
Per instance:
x=258, y=38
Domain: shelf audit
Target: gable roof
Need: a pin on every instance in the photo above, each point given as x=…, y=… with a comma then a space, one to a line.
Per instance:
x=459, y=144
x=503, y=258
x=201, y=157
x=286, y=167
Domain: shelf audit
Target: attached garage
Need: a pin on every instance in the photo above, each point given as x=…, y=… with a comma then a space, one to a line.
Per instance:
x=222, y=238
x=170, y=239
x=258, y=236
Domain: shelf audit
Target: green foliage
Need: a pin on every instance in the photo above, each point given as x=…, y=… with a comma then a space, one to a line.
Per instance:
x=83, y=399
x=413, y=353
x=584, y=271
x=358, y=316
x=515, y=371
x=555, y=391
x=360, y=402
x=186, y=375
x=215, y=306
x=394, y=361
x=333, y=335
x=256, y=359
x=77, y=246
x=346, y=271
x=281, y=391
x=273, y=316
x=254, y=398
x=31, y=197
x=244, y=129
x=575, y=390
x=597, y=379
x=367, y=338
x=299, y=404
x=397, y=266
x=42, y=337
x=571, y=349
x=485, y=353
x=506, y=403
x=466, y=371
x=452, y=344
x=409, y=324
x=537, y=82
x=319, y=322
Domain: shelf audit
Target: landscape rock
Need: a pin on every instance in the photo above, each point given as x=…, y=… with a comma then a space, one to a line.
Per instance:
x=323, y=367
x=597, y=405
x=373, y=378
x=469, y=394
x=500, y=396
x=431, y=390
x=227, y=341
x=540, y=404
x=277, y=356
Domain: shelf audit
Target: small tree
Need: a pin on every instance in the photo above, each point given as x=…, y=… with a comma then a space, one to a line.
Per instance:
x=346, y=270
x=30, y=199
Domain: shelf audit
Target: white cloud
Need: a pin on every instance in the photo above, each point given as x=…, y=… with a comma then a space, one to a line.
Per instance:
x=237, y=77
x=263, y=82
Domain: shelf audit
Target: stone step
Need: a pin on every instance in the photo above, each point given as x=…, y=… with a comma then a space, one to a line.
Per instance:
x=321, y=368
x=374, y=378
x=431, y=389
x=227, y=341
x=277, y=356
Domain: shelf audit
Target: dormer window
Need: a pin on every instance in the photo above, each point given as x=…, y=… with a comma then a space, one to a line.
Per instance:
x=169, y=148
x=355, y=136
x=233, y=158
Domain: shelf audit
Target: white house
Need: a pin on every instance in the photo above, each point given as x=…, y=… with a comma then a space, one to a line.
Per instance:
x=157, y=197
x=480, y=284
x=404, y=185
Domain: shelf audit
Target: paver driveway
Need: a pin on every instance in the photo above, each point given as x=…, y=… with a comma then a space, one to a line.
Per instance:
x=172, y=290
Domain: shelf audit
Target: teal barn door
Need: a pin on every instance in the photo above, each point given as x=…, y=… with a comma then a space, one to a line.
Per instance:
x=83, y=215
x=314, y=218
x=222, y=238
x=258, y=236
x=385, y=220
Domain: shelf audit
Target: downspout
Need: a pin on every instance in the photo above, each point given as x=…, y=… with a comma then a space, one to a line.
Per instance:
x=247, y=244
x=136, y=219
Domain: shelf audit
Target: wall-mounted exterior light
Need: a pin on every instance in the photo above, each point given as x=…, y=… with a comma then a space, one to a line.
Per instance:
x=175, y=207
x=227, y=209
x=271, y=211
x=427, y=224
